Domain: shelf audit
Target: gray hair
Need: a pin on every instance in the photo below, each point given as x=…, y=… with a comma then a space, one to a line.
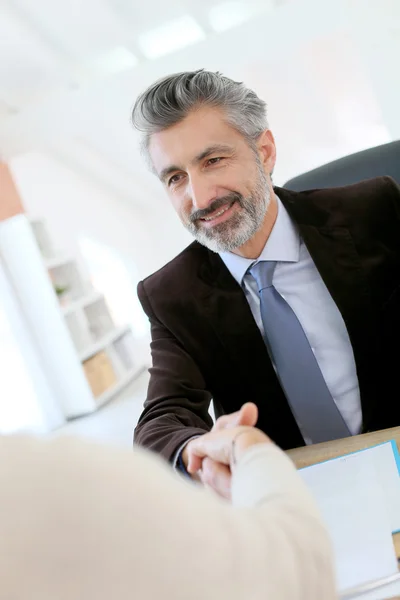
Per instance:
x=170, y=99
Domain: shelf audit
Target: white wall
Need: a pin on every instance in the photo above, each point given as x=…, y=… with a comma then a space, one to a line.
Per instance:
x=75, y=207
x=82, y=216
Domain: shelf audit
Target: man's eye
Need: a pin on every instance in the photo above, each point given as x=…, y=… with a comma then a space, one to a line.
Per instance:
x=214, y=161
x=173, y=179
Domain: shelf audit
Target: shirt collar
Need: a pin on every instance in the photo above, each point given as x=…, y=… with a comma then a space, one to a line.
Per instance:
x=283, y=245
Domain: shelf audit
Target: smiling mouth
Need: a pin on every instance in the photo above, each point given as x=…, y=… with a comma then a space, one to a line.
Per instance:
x=218, y=213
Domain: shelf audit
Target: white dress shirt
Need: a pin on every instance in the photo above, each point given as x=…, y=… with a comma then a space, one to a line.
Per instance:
x=298, y=281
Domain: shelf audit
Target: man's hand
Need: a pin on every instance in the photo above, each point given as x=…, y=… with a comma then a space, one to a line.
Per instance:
x=213, y=473
x=225, y=447
x=247, y=416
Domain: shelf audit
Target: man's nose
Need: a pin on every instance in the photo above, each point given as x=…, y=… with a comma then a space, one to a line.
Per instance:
x=200, y=193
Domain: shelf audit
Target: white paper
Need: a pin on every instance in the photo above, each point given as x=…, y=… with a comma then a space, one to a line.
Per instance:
x=386, y=466
x=352, y=501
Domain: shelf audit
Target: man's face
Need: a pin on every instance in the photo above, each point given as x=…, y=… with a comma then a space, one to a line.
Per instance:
x=215, y=180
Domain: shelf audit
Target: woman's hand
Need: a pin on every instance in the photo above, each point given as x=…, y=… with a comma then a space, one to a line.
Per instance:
x=223, y=446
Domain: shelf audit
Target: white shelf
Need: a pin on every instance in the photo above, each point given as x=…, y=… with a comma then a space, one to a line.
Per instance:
x=58, y=261
x=90, y=298
x=103, y=342
x=115, y=389
x=84, y=327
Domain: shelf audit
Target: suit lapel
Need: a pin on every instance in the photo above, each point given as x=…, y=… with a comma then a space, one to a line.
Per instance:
x=224, y=302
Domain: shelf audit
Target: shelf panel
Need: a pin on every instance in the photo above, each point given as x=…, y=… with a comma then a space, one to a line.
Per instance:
x=58, y=261
x=90, y=298
x=115, y=389
x=103, y=342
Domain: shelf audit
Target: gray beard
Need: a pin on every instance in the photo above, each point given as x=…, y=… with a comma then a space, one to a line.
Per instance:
x=240, y=227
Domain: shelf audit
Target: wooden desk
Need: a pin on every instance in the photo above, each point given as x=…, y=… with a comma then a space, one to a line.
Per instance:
x=309, y=455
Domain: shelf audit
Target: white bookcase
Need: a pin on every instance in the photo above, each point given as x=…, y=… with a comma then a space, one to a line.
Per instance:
x=105, y=354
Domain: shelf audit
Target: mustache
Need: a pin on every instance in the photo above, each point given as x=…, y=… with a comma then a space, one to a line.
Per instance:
x=216, y=205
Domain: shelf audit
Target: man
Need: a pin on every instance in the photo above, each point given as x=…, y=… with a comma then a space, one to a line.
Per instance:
x=288, y=300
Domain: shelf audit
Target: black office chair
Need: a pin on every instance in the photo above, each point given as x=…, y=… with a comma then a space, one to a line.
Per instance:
x=381, y=160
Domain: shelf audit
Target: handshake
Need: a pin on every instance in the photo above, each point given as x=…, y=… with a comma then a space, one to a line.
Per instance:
x=209, y=458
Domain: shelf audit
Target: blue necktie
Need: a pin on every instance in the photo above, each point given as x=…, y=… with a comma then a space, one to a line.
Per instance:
x=296, y=366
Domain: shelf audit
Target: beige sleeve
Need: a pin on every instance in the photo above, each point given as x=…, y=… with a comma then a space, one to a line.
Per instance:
x=81, y=521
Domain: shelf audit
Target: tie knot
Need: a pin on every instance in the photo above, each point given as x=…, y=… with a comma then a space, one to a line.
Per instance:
x=263, y=272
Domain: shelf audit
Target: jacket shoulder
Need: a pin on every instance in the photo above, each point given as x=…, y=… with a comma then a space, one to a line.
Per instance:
x=369, y=201
x=342, y=206
x=179, y=273
x=361, y=189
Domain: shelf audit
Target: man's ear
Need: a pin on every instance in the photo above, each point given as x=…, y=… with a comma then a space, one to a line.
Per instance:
x=267, y=151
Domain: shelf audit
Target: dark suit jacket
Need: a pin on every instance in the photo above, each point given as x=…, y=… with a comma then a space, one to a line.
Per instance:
x=206, y=344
